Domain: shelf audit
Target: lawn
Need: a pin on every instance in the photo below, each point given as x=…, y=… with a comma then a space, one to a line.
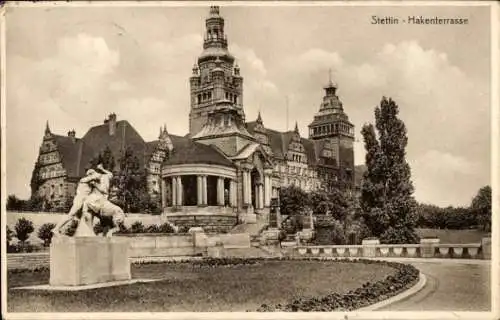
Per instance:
x=453, y=236
x=187, y=288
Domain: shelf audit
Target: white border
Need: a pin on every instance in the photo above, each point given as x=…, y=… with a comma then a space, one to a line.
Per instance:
x=495, y=172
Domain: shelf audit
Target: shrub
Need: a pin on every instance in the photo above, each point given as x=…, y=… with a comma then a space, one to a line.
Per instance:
x=153, y=229
x=8, y=235
x=183, y=229
x=14, y=203
x=166, y=228
x=397, y=235
x=45, y=233
x=71, y=229
x=24, y=228
x=137, y=227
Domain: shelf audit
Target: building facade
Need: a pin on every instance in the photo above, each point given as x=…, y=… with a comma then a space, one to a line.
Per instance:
x=225, y=170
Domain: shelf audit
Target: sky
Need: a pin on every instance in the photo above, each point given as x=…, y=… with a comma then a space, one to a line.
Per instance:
x=73, y=66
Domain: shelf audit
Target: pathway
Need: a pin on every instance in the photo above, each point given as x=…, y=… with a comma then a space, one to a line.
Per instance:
x=452, y=285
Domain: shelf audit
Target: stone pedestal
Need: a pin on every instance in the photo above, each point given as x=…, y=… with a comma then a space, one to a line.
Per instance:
x=305, y=236
x=428, y=247
x=370, y=247
x=216, y=251
x=76, y=261
x=486, y=247
x=271, y=236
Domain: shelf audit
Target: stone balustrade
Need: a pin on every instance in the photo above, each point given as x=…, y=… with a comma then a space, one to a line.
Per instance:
x=375, y=250
x=197, y=242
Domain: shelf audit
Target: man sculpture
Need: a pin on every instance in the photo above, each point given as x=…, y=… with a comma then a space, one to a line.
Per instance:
x=92, y=198
x=98, y=205
x=82, y=192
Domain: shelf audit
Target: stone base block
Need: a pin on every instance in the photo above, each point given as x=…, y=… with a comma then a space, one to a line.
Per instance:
x=486, y=247
x=271, y=236
x=306, y=235
x=370, y=247
x=428, y=247
x=249, y=218
x=76, y=261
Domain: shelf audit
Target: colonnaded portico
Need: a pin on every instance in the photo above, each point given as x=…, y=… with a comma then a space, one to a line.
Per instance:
x=218, y=196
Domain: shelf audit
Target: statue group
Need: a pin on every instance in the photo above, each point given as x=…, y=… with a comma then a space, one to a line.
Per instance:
x=92, y=200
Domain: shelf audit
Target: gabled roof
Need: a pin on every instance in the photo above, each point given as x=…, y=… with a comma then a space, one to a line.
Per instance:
x=279, y=142
x=125, y=136
x=75, y=154
x=186, y=151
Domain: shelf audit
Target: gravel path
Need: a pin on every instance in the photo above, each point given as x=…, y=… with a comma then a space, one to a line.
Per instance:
x=452, y=285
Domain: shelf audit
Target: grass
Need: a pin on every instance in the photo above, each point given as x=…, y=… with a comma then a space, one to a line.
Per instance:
x=453, y=236
x=186, y=288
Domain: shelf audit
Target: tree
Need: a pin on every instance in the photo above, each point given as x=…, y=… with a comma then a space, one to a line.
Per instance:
x=23, y=229
x=14, y=203
x=36, y=180
x=387, y=203
x=131, y=183
x=45, y=233
x=105, y=158
x=293, y=201
x=481, y=206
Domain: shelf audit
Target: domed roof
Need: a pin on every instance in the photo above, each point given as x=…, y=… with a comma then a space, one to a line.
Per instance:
x=214, y=52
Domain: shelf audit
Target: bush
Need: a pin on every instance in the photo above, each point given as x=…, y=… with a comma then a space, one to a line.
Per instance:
x=45, y=233
x=24, y=228
x=8, y=235
x=137, y=227
x=395, y=235
x=71, y=229
x=14, y=203
x=166, y=228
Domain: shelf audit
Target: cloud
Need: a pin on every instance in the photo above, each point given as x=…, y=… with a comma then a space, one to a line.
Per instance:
x=446, y=111
x=67, y=88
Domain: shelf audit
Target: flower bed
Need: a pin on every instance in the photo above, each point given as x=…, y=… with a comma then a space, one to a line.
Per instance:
x=406, y=276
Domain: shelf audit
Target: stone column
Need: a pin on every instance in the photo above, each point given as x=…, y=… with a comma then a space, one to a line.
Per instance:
x=267, y=187
x=256, y=195
x=220, y=191
x=204, y=190
x=199, y=190
x=174, y=191
x=163, y=191
x=249, y=188
x=232, y=193
x=261, y=196
x=245, y=187
x=179, y=191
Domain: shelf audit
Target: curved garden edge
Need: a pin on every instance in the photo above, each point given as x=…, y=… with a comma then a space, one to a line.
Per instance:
x=403, y=295
x=372, y=295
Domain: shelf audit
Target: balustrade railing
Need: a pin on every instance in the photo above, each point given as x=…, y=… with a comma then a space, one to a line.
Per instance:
x=452, y=251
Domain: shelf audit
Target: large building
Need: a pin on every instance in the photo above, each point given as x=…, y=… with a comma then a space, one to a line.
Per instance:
x=226, y=169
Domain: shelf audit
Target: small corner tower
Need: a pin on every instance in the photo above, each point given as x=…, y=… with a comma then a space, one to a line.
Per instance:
x=332, y=126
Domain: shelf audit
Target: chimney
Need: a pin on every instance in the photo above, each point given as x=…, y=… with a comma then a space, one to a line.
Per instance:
x=112, y=123
x=72, y=135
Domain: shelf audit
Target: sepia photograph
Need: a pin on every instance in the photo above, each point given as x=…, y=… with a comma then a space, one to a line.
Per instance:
x=200, y=159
